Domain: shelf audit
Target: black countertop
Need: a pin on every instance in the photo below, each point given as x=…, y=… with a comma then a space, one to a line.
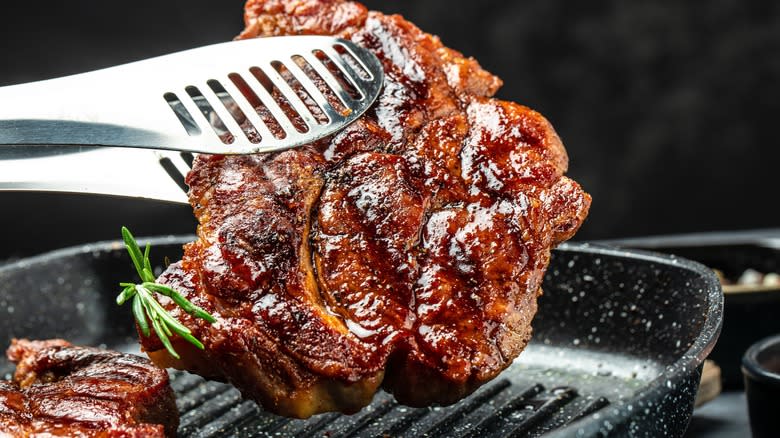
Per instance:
x=724, y=417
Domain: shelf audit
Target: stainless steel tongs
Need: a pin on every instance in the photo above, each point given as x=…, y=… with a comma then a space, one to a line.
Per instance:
x=240, y=97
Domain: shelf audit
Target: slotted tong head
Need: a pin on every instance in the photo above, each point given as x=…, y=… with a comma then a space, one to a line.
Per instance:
x=250, y=96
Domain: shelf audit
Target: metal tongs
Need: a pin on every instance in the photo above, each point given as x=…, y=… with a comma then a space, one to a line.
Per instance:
x=240, y=97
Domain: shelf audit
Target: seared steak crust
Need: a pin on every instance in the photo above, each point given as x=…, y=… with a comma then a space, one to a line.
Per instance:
x=405, y=252
x=62, y=390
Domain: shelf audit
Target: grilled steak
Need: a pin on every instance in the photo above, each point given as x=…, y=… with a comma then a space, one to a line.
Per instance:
x=406, y=252
x=62, y=390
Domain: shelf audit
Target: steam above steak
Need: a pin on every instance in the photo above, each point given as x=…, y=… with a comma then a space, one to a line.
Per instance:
x=62, y=390
x=406, y=252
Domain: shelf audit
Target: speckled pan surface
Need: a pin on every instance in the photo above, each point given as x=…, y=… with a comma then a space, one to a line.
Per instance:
x=619, y=341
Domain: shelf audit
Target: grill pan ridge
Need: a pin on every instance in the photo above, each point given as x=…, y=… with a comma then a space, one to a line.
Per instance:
x=617, y=350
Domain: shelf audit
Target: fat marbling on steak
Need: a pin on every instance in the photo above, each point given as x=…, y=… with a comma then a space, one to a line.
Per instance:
x=406, y=252
x=62, y=390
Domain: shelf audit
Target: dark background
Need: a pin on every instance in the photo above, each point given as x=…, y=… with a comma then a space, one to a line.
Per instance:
x=669, y=109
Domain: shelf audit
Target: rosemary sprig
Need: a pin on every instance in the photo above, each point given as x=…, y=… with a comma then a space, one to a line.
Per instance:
x=146, y=309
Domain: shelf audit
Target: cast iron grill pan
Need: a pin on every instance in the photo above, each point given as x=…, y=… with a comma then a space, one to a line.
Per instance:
x=619, y=341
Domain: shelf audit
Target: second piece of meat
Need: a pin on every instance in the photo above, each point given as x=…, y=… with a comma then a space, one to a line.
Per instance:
x=62, y=390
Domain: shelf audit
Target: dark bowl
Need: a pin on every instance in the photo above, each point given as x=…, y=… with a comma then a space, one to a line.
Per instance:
x=761, y=368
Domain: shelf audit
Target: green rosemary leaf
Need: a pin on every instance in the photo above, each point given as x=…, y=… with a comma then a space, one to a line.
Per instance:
x=192, y=340
x=133, y=250
x=153, y=312
x=147, y=263
x=147, y=276
x=180, y=301
x=127, y=293
x=145, y=298
x=159, y=288
x=164, y=338
x=140, y=317
x=166, y=318
x=202, y=314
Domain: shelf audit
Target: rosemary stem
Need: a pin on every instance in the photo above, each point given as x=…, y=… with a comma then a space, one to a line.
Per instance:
x=147, y=311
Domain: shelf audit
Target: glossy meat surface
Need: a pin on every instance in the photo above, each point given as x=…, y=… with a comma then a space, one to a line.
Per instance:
x=62, y=390
x=406, y=252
